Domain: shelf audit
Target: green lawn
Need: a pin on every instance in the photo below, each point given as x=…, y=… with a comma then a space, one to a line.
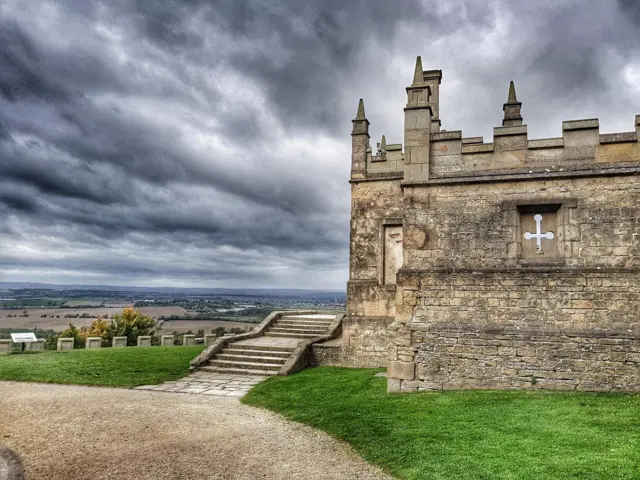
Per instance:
x=114, y=367
x=465, y=434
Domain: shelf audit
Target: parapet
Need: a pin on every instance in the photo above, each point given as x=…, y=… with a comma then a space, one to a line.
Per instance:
x=581, y=150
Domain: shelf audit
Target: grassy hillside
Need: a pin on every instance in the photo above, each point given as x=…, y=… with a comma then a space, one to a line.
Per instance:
x=114, y=367
x=524, y=435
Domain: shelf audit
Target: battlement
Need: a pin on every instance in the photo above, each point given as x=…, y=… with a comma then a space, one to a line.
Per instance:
x=431, y=155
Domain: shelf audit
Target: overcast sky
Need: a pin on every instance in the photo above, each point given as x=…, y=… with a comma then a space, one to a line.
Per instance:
x=207, y=143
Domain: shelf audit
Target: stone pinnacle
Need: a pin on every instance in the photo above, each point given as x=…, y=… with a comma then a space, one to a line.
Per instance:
x=360, y=114
x=418, y=76
x=512, y=93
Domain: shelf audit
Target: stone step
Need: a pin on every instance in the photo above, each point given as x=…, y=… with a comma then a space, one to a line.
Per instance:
x=245, y=365
x=290, y=335
x=305, y=320
x=237, y=371
x=301, y=324
x=256, y=353
x=265, y=348
x=317, y=331
x=250, y=358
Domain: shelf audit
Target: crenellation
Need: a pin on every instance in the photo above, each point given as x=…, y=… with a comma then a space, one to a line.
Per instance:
x=513, y=130
x=587, y=124
x=446, y=135
x=624, y=137
x=545, y=143
x=511, y=264
x=478, y=148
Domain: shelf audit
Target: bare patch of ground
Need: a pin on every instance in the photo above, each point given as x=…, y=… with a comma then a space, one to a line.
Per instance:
x=70, y=432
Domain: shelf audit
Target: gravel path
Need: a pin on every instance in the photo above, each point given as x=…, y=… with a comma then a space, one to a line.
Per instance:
x=71, y=432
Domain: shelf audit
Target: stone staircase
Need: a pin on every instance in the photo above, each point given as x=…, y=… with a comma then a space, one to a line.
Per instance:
x=267, y=354
x=249, y=359
x=299, y=326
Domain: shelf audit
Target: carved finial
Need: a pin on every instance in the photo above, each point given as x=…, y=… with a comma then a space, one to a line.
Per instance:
x=512, y=116
x=418, y=75
x=383, y=144
x=360, y=114
x=512, y=93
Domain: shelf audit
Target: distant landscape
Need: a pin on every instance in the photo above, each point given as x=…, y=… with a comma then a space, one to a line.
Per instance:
x=37, y=307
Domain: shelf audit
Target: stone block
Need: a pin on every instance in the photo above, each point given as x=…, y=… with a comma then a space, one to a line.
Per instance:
x=37, y=346
x=119, y=342
x=6, y=346
x=65, y=344
x=144, y=341
x=393, y=385
x=402, y=370
x=209, y=338
x=188, y=340
x=94, y=342
x=166, y=341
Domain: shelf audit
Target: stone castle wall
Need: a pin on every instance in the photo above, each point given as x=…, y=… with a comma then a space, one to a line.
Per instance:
x=558, y=329
x=443, y=277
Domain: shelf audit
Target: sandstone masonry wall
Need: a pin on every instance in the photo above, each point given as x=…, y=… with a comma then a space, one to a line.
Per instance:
x=472, y=299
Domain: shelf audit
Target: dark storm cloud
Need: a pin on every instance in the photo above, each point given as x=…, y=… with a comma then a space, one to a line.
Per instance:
x=207, y=142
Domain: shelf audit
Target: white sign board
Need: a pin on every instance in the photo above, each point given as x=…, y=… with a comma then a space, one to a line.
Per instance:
x=23, y=337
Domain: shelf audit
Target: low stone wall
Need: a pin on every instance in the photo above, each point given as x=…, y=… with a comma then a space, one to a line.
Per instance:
x=365, y=341
x=327, y=354
x=6, y=346
x=93, y=342
x=65, y=344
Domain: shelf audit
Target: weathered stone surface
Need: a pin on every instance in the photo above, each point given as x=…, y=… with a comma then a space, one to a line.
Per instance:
x=6, y=346
x=401, y=370
x=65, y=344
x=209, y=339
x=144, y=341
x=474, y=305
x=119, y=342
x=37, y=346
x=580, y=124
x=93, y=342
x=166, y=341
x=188, y=339
x=327, y=354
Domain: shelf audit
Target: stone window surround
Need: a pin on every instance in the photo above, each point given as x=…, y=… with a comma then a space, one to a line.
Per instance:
x=564, y=208
x=385, y=222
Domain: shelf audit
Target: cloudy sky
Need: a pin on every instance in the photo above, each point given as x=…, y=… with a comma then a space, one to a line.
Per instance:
x=207, y=143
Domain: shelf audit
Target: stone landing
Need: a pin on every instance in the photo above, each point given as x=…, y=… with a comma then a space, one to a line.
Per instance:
x=209, y=383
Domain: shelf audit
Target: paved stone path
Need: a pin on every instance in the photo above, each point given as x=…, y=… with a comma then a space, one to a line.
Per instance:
x=209, y=383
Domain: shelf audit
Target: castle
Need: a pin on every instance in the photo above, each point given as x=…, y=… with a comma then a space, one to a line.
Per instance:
x=510, y=264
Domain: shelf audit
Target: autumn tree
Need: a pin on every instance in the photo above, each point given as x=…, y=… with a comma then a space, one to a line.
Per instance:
x=131, y=323
x=100, y=327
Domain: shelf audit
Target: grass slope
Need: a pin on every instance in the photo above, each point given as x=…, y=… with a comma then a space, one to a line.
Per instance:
x=465, y=434
x=114, y=367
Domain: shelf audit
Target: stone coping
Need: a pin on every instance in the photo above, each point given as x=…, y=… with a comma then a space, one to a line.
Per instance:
x=10, y=465
x=602, y=170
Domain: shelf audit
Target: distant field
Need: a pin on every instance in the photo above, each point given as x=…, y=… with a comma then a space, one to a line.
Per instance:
x=76, y=302
x=195, y=325
x=36, y=320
